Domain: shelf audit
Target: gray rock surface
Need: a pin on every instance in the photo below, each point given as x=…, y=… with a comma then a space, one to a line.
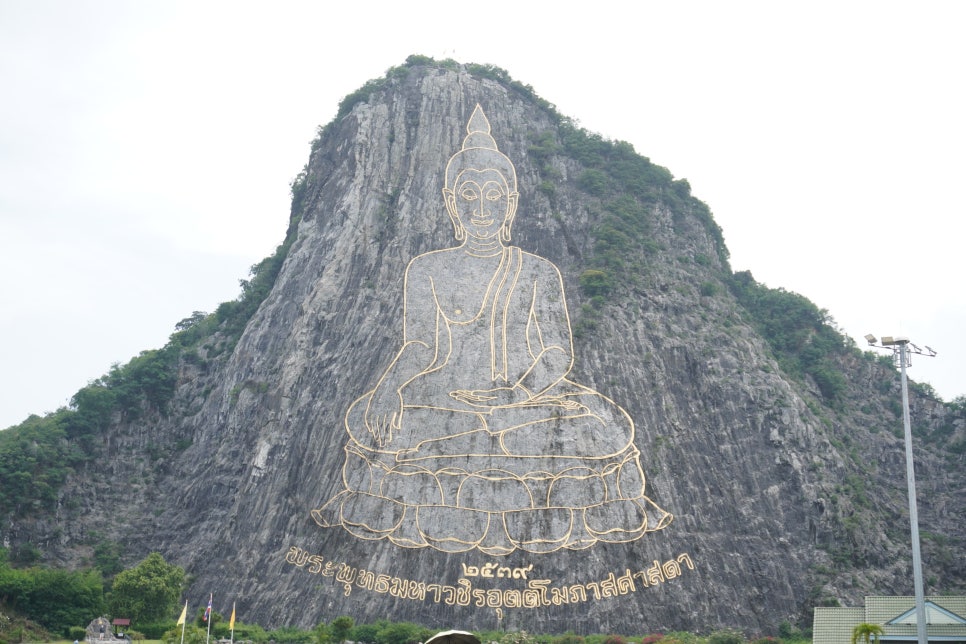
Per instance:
x=761, y=475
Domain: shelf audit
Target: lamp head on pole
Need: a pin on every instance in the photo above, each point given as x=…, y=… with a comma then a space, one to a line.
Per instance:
x=900, y=347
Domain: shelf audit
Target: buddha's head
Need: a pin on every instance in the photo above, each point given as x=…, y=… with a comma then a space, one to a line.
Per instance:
x=480, y=185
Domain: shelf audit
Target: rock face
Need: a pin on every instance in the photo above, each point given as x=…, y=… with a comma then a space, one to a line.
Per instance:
x=779, y=501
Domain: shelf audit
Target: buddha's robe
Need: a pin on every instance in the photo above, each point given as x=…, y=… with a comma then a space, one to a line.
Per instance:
x=518, y=334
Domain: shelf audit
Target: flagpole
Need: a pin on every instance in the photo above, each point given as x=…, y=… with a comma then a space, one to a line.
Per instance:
x=233, y=623
x=184, y=615
x=211, y=596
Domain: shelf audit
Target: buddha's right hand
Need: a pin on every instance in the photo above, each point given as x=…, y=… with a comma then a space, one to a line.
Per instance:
x=384, y=415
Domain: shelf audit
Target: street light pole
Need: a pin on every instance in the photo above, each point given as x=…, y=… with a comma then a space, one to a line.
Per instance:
x=903, y=350
x=900, y=349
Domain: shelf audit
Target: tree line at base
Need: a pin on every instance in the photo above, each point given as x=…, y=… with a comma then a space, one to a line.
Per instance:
x=44, y=604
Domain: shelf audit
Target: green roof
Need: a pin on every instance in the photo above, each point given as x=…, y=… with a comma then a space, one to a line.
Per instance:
x=834, y=625
x=945, y=621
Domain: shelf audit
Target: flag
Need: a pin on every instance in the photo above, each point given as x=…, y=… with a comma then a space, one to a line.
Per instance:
x=208, y=610
x=231, y=622
x=184, y=614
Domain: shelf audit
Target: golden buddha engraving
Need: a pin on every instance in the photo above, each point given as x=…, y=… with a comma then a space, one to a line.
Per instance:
x=474, y=438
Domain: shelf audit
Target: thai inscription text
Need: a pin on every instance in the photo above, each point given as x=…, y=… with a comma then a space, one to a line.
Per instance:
x=536, y=593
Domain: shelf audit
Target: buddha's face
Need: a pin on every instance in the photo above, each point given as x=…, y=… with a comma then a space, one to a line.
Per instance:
x=482, y=202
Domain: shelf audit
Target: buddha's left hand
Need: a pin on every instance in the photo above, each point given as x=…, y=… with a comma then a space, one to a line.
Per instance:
x=498, y=397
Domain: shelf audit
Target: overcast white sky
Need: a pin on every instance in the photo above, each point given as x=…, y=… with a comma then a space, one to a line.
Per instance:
x=146, y=149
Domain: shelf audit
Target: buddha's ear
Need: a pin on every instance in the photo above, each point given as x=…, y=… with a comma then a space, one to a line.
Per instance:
x=511, y=212
x=450, y=198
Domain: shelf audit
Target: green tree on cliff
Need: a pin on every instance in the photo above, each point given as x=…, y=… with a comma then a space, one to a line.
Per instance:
x=341, y=628
x=149, y=592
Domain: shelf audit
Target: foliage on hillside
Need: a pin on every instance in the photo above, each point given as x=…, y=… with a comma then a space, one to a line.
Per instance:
x=802, y=336
x=56, y=599
x=629, y=187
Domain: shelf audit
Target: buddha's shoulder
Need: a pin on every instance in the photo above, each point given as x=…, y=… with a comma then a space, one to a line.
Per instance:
x=430, y=260
x=537, y=263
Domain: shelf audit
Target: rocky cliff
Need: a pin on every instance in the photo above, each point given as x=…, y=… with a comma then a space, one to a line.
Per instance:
x=783, y=496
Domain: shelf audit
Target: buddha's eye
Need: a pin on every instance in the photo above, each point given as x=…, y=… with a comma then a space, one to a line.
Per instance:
x=469, y=194
x=493, y=195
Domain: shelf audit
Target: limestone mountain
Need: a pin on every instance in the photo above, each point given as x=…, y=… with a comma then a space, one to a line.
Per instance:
x=770, y=441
